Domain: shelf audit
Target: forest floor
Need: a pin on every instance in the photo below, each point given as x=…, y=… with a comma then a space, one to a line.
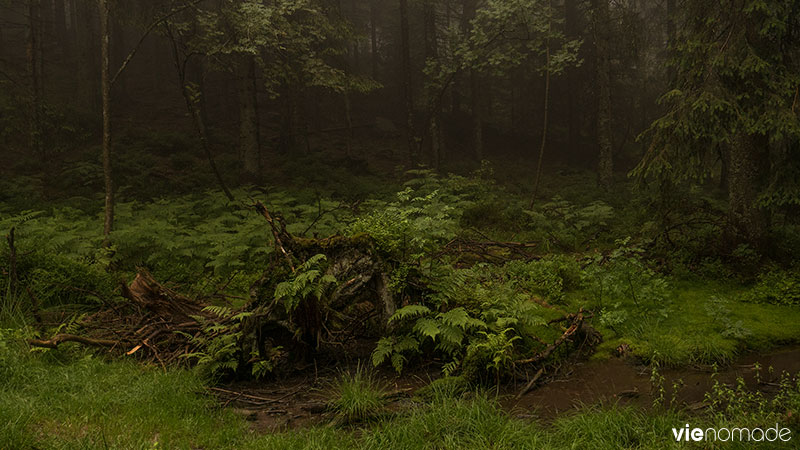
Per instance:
x=62, y=401
x=690, y=334
x=301, y=401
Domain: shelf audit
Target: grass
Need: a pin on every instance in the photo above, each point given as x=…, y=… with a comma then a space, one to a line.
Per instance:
x=62, y=399
x=707, y=323
x=58, y=400
x=356, y=396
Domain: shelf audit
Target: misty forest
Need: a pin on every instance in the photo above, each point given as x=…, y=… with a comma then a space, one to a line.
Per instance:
x=443, y=224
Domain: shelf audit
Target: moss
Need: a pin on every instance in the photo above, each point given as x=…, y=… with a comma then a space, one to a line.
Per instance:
x=706, y=323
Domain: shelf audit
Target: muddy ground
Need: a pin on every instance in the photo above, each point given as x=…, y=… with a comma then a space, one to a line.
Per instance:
x=300, y=401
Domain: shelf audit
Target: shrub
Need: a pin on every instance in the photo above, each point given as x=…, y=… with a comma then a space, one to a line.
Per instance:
x=623, y=287
x=778, y=287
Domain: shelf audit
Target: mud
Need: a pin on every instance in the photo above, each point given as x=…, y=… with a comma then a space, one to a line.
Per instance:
x=300, y=402
x=616, y=381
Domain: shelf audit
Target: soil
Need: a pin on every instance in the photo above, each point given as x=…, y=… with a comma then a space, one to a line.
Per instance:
x=301, y=401
x=617, y=381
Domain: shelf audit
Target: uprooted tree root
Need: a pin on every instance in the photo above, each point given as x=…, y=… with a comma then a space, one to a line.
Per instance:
x=158, y=324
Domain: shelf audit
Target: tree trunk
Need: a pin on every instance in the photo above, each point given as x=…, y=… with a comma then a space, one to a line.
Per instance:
x=34, y=59
x=572, y=31
x=724, y=170
x=287, y=141
x=671, y=12
x=408, y=97
x=470, y=9
x=435, y=139
x=60, y=26
x=749, y=167
x=477, y=118
x=87, y=78
x=373, y=37
x=105, y=91
x=545, y=114
x=249, y=136
x=191, y=98
x=120, y=85
x=605, y=166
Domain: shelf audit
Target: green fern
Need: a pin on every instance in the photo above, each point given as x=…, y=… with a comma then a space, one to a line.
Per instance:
x=409, y=312
x=309, y=280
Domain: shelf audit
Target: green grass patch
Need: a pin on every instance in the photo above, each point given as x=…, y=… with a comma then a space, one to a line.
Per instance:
x=706, y=323
x=356, y=396
x=69, y=400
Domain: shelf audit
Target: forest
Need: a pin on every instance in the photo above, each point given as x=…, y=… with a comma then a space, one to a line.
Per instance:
x=433, y=224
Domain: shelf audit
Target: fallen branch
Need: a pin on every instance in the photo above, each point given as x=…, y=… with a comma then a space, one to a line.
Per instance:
x=59, y=338
x=576, y=322
x=275, y=232
x=530, y=384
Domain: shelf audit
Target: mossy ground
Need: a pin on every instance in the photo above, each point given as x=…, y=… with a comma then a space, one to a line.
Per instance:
x=709, y=322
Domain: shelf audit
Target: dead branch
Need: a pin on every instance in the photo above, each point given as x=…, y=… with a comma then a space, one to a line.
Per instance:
x=276, y=233
x=530, y=384
x=576, y=320
x=59, y=338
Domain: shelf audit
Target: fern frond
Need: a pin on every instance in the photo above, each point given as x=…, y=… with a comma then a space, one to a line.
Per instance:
x=409, y=312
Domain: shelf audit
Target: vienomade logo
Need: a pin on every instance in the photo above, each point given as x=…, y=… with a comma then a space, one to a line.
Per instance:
x=735, y=434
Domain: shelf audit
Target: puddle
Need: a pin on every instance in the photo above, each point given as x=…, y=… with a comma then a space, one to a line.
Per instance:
x=615, y=381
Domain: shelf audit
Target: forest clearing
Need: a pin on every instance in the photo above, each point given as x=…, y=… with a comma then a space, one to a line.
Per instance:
x=443, y=224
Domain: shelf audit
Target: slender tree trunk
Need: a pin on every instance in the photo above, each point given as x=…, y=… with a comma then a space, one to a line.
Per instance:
x=749, y=167
x=120, y=86
x=303, y=118
x=202, y=133
x=289, y=118
x=348, y=122
x=373, y=37
x=60, y=26
x=544, y=120
x=87, y=79
x=605, y=165
x=249, y=136
x=571, y=31
x=408, y=96
x=477, y=117
x=196, y=113
x=470, y=9
x=435, y=139
x=671, y=12
x=724, y=170
x=105, y=88
x=34, y=59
